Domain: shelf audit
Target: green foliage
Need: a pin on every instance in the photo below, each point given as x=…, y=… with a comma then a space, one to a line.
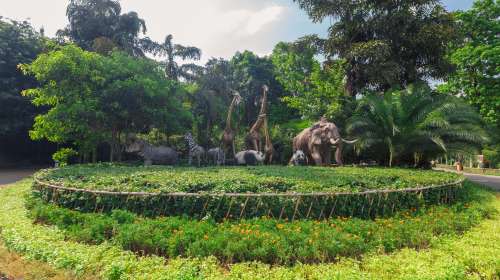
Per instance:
x=477, y=59
x=211, y=183
x=63, y=156
x=265, y=240
x=415, y=125
x=315, y=91
x=175, y=52
x=240, y=179
x=99, y=25
x=385, y=43
x=19, y=43
x=95, y=99
x=471, y=256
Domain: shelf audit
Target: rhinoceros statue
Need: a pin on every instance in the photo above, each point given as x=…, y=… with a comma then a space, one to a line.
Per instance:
x=160, y=155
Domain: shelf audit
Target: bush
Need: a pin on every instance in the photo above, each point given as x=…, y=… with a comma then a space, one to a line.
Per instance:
x=63, y=156
x=210, y=181
x=471, y=256
x=266, y=240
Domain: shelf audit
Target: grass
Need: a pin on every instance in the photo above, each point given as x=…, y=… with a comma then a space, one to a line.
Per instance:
x=241, y=179
x=268, y=240
x=474, y=255
x=13, y=266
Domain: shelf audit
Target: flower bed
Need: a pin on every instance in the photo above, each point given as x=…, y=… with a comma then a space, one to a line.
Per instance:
x=469, y=256
x=220, y=193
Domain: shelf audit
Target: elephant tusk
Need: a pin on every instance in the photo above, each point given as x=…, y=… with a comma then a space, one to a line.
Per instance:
x=335, y=142
x=350, y=142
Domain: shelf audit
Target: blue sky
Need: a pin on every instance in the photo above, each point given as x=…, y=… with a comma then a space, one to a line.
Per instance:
x=218, y=27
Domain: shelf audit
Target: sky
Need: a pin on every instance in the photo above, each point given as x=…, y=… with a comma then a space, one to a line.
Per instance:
x=218, y=27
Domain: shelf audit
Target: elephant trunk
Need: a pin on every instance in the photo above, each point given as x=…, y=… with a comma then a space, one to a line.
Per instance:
x=336, y=141
x=349, y=142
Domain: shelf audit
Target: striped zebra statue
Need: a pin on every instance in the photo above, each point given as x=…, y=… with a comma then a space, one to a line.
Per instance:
x=195, y=150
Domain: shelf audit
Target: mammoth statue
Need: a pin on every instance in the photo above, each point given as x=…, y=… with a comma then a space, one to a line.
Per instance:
x=317, y=141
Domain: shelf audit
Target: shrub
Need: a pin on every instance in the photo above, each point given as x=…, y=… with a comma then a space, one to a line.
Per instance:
x=267, y=240
x=208, y=183
x=471, y=256
x=63, y=156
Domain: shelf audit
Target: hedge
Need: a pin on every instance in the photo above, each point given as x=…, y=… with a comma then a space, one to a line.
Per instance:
x=288, y=206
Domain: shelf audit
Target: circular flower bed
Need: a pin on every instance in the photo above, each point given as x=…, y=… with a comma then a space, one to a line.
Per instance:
x=244, y=192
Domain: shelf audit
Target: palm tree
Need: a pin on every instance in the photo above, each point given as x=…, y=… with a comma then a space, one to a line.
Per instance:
x=172, y=51
x=415, y=123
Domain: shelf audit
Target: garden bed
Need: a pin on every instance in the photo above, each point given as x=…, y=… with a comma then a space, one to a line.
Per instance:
x=220, y=193
x=446, y=257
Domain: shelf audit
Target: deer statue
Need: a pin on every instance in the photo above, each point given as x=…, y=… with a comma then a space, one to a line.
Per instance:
x=229, y=132
x=253, y=138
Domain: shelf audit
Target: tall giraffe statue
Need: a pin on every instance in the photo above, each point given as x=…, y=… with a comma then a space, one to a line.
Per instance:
x=268, y=145
x=229, y=132
x=253, y=138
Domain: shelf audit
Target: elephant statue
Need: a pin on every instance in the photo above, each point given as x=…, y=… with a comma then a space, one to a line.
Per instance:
x=317, y=141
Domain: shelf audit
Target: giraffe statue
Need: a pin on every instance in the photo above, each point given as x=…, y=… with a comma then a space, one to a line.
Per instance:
x=268, y=145
x=253, y=139
x=229, y=132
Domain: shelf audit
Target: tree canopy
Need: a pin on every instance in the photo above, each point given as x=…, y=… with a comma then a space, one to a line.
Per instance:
x=477, y=60
x=385, y=43
x=99, y=25
x=95, y=99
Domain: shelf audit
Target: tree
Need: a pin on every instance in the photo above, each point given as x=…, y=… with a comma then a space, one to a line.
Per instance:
x=477, y=60
x=315, y=90
x=415, y=125
x=175, y=51
x=19, y=43
x=97, y=99
x=385, y=43
x=99, y=25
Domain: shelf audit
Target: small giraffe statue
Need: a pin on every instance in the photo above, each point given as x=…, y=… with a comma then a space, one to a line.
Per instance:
x=227, y=140
x=253, y=138
x=195, y=150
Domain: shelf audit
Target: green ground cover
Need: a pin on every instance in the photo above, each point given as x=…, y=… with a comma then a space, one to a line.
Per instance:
x=240, y=179
x=473, y=255
x=265, y=240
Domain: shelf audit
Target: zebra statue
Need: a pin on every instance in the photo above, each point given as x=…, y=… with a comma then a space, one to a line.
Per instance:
x=195, y=150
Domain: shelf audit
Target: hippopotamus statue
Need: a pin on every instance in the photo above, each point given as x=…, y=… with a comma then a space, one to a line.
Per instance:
x=153, y=155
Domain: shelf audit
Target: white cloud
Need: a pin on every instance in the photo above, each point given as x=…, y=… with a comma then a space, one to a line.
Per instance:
x=263, y=17
x=218, y=27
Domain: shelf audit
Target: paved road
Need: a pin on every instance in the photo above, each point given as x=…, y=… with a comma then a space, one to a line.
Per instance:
x=487, y=180
x=9, y=176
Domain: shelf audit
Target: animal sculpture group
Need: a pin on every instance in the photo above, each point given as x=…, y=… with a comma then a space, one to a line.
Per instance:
x=312, y=146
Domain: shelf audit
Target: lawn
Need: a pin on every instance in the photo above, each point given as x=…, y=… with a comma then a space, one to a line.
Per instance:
x=470, y=253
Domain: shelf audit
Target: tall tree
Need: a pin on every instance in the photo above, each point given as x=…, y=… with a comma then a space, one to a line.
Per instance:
x=94, y=99
x=415, y=125
x=315, y=90
x=99, y=25
x=176, y=51
x=19, y=43
x=477, y=60
x=385, y=43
